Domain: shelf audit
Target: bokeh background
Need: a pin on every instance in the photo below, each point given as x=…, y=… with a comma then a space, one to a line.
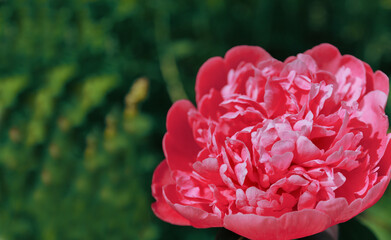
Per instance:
x=85, y=86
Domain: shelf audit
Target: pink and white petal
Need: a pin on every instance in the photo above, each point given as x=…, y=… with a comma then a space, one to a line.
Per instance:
x=353, y=209
x=360, y=204
x=197, y=217
x=376, y=81
x=372, y=113
x=209, y=105
x=385, y=162
x=357, y=181
x=336, y=209
x=179, y=145
x=212, y=75
x=254, y=226
x=326, y=57
x=375, y=193
x=306, y=150
x=381, y=82
x=309, y=61
x=304, y=223
x=245, y=54
x=162, y=210
x=356, y=66
x=298, y=66
x=161, y=177
x=372, y=108
x=166, y=213
x=177, y=119
x=289, y=226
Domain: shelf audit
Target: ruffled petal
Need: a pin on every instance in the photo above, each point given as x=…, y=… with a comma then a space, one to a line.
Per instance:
x=289, y=226
x=197, y=217
x=326, y=56
x=335, y=208
x=385, y=162
x=212, y=75
x=381, y=82
x=246, y=54
x=162, y=210
x=179, y=145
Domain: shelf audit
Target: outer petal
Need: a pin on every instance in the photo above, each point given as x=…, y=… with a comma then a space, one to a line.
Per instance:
x=304, y=223
x=326, y=56
x=247, y=54
x=381, y=82
x=209, y=105
x=197, y=217
x=355, y=65
x=289, y=226
x=179, y=145
x=162, y=210
x=340, y=211
x=372, y=110
x=253, y=226
x=385, y=162
x=375, y=193
x=336, y=208
x=212, y=75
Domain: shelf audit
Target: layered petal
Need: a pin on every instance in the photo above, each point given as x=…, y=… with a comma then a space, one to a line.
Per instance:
x=162, y=177
x=212, y=75
x=245, y=54
x=197, y=216
x=179, y=145
x=289, y=226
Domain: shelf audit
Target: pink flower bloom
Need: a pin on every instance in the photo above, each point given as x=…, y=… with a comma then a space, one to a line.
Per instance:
x=276, y=150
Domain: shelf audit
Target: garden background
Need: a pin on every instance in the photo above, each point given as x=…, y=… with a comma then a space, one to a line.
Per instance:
x=85, y=86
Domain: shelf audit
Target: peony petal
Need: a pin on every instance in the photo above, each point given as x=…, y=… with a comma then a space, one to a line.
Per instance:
x=306, y=200
x=385, y=162
x=375, y=193
x=162, y=210
x=283, y=161
x=359, y=205
x=253, y=226
x=209, y=105
x=289, y=226
x=282, y=147
x=179, y=145
x=253, y=195
x=304, y=223
x=372, y=113
x=241, y=172
x=306, y=150
x=296, y=66
x=197, y=217
x=161, y=177
x=298, y=180
x=352, y=210
x=212, y=75
x=246, y=54
x=326, y=57
x=355, y=65
x=309, y=61
x=335, y=208
x=381, y=82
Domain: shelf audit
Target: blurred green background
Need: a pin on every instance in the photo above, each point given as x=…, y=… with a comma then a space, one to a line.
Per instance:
x=85, y=86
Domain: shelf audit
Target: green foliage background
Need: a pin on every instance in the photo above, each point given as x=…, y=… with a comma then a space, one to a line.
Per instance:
x=85, y=86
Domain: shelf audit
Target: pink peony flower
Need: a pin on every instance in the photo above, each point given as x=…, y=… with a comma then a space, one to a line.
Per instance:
x=276, y=150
